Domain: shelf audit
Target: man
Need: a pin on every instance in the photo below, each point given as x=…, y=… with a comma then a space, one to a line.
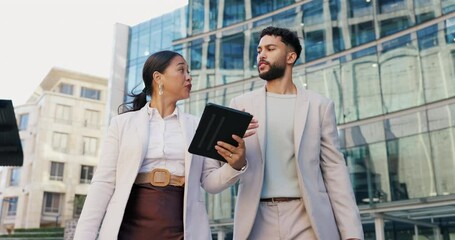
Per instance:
x=296, y=183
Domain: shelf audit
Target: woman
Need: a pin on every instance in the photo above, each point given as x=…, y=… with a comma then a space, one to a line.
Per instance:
x=147, y=185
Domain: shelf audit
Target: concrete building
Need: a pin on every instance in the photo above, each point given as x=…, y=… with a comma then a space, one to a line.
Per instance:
x=61, y=127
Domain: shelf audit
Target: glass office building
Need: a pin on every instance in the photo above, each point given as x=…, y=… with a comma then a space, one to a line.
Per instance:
x=389, y=65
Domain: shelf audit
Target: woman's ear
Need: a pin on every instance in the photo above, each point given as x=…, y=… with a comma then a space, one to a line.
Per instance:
x=156, y=77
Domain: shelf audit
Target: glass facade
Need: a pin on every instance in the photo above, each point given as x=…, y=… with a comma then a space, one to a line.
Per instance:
x=389, y=65
x=149, y=37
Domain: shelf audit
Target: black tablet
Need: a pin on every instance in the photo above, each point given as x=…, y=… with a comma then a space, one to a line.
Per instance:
x=218, y=123
x=11, y=153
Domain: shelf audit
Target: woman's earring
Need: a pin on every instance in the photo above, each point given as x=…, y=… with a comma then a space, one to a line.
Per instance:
x=160, y=89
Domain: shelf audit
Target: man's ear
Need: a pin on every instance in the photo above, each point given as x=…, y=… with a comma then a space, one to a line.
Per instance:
x=291, y=58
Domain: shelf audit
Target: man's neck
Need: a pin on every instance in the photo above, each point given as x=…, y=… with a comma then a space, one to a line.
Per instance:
x=281, y=86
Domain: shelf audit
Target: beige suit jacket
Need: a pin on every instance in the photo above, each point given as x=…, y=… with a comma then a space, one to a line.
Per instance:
x=123, y=152
x=323, y=175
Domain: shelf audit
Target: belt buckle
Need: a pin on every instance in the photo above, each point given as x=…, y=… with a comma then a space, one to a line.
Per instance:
x=160, y=177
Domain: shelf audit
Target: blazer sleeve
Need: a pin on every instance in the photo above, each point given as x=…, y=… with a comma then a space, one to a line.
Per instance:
x=101, y=188
x=336, y=178
x=217, y=176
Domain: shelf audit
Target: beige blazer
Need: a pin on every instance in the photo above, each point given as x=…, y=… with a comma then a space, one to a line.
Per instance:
x=323, y=175
x=123, y=152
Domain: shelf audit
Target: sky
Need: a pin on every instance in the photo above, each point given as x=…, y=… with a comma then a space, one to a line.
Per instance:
x=76, y=35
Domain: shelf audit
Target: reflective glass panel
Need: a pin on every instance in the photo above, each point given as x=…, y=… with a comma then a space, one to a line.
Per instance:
x=231, y=56
x=234, y=11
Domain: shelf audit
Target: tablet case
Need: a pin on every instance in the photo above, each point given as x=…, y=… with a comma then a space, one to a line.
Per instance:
x=11, y=153
x=218, y=123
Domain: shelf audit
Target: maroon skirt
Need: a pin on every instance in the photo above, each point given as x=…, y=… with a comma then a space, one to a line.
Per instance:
x=153, y=213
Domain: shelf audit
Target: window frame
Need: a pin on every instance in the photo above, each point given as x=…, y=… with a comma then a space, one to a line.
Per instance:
x=23, y=121
x=86, y=174
x=14, y=177
x=90, y=93
x=57, y=171
x=55, y=199
x=66, y=88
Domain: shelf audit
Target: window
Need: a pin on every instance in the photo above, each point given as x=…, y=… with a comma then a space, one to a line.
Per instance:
x=234, y=12
x=15, y=176
x=262, y=7
x=450, y=30
x=65, y=88
x=51, y=203
x=232, y=52
x=12, y=206
x=133, y=43
x=63, y=113
x=196, y=54
x=314, y=45
x=312, y=13
x=424, y=17
x=335, y=9
x=359, y=8
x=23, y=121
x=57, y=171
x=90, y=145
x=338, y=42
x=78, y=204
x=362, y=33
x=197, y=10
x=60, y=141
x=90, y=93
x=394, y=25
x=428, y=37
x=254, y=40
x=86, y=174
x=213, y=14
x=395, y=43
x=447, y=6
x=92, y=118
x=386, y=6
x=211, y=53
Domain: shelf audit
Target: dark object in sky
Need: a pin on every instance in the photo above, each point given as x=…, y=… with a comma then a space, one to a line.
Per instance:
x=10, y=144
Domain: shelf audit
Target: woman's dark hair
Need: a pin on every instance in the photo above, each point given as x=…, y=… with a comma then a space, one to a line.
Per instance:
x=158, y=61
x=287, y=37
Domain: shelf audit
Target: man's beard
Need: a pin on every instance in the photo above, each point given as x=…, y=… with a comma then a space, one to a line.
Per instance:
x=274, y=72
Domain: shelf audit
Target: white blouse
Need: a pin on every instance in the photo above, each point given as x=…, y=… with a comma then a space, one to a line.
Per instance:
x=166, y=147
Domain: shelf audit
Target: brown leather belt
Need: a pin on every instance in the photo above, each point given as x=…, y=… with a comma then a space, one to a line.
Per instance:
x=279, y=199
x=160, y=178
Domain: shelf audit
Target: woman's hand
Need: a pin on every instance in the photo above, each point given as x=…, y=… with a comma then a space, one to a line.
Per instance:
x=235, y=156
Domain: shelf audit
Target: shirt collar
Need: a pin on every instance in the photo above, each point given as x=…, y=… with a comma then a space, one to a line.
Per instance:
x=153, y=112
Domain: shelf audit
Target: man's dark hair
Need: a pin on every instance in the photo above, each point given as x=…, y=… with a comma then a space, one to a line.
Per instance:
x=287, y=37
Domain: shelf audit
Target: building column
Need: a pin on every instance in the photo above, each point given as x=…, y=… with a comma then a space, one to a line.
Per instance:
x=221, y=235
x=437, y=233
x=379, y=227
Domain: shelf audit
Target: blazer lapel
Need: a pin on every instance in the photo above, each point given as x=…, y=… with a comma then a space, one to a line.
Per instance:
x=142, y=129
x=300, y=116
x=260, y=107
x=187, y=130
